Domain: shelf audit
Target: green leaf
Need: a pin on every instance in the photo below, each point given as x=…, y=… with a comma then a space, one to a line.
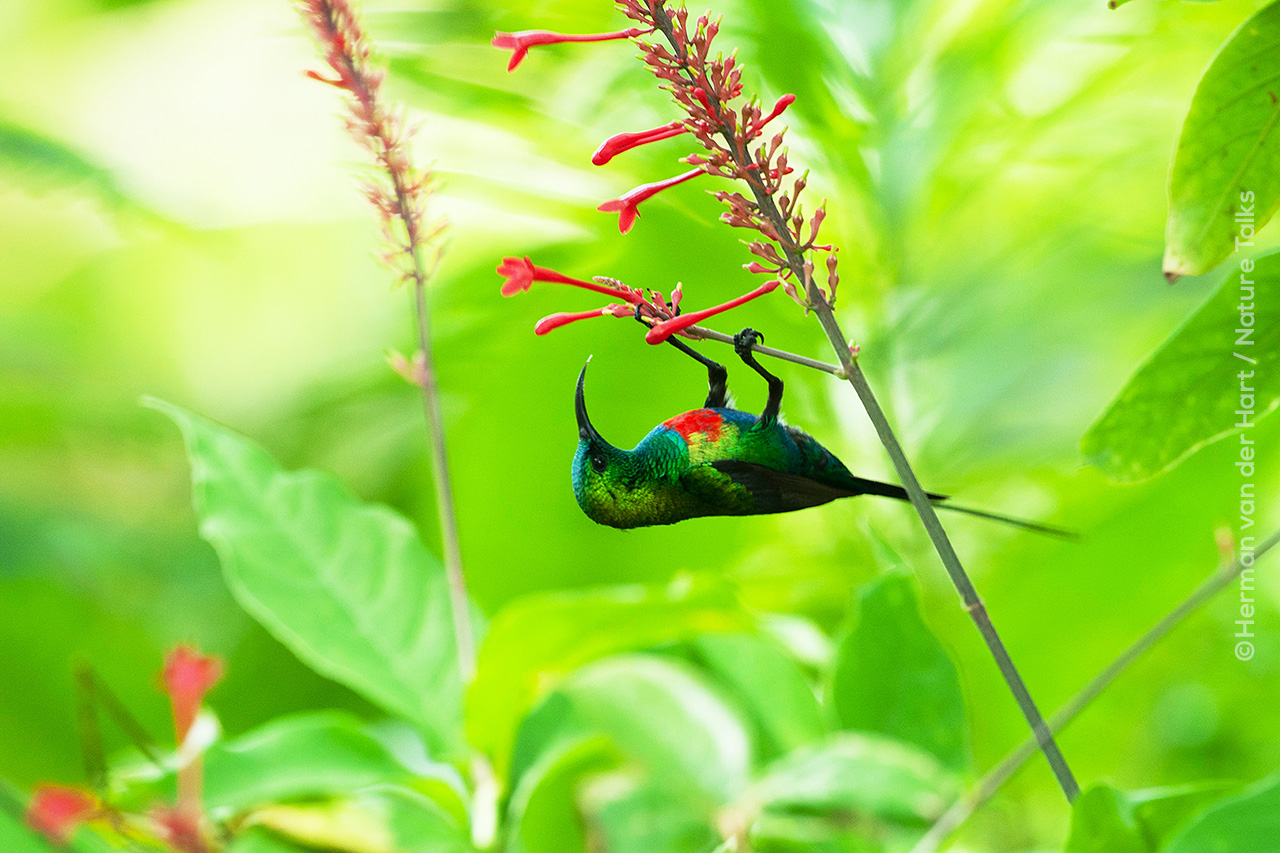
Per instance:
x=1186, y=394
x=629, y=817
x=1103, y=821
x=544, y=813
x=259, y=840
x=893, y=677
x=15, y=837
x=305, y=755
x=664, y=716
x=378, y=820
x=1229, y=146
x=1106, y=820
x=859, y=774
x=347, y=586
x=768, y=684
x=538, y=640
x=45, y=160
x=1247, y=823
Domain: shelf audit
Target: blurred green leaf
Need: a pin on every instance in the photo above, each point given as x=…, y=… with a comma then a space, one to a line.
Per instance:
x=1103, y=821
x=1246, y=823
x=305, y=755
x=259, y=840
x=664, y=716
x=628, y=817
x=1229, y=146
x=1107, y=820
x=859, y=774
x=768, y=685
x=1186, y=394
x=893, y=677
x=15, y=837
x=347, y=586
x=43, y=160
x=538, y=640
x=378, y=820
x=543, y=815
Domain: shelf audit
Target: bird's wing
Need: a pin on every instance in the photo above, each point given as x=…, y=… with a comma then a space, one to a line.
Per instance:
x=777, y=491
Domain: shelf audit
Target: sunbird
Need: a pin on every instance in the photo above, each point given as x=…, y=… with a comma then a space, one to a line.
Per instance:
x=716, y=460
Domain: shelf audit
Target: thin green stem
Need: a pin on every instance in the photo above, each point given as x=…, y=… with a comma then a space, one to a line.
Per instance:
x=986, y=788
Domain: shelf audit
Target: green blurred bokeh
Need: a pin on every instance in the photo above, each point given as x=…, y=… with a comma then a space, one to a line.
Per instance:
x=996, y=174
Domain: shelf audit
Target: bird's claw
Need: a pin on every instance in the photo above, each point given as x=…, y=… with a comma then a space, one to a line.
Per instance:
x=745, y=340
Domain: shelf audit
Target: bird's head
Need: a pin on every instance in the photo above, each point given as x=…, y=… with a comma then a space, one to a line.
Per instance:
x=610, y=483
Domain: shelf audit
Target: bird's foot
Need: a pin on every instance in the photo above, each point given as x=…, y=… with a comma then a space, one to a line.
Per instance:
x=745, y=340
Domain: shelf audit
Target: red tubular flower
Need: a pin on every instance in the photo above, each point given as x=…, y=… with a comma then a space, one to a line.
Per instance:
x=55, y=812
x=519, y=43
x=659, y=333
x=555, y=321
x=188, y=675
x=627, y=207
x=520, y=274
x=615, y=145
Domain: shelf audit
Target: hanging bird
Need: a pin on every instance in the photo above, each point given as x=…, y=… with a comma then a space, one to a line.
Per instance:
x=720, y=461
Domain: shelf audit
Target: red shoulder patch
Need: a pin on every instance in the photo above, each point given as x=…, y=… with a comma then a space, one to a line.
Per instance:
x=705, y=421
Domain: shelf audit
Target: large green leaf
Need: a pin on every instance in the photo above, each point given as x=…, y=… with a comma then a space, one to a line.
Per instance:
x=769, y=686
x=858, y=774
x=544, y=815
x=15, y=837
x=1247, y=823
x=44, y=160
x=305, y=755
x=664, y=716
x=536, y=641
x=1187, y=393
x=625, y=816
x=893, y=677
x=385, y=819
x=347, y=586
x=1228, y=157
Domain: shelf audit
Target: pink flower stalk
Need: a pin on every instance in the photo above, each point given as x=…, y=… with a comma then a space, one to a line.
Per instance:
x=188, y=676
x=627, y=207
x=519, y=43
x=180, y=829
x=555, y=321
x=659, y=333
x=778, y=108
x=520, y=274
x=616, y=144
x=55, y=812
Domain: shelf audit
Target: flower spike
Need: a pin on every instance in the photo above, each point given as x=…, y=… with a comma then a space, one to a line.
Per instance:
x=659, y=333
x=627, y=207
x=55, y=812
x=188, y=675
x=519, y=43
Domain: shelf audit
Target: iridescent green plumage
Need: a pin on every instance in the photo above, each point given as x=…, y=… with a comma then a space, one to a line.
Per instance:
x=716, y=461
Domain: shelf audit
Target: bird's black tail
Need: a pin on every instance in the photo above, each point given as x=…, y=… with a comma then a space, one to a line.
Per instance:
x=888, y=490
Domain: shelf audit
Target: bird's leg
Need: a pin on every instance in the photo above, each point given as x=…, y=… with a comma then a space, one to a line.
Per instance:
x=717, y=376
x=742, y=343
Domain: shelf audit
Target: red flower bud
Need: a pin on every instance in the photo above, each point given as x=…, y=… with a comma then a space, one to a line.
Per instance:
x=659, y=333
x=55, y=812
x=519, y=43
x=188, y=675
x=627, y=207
x=616, y=144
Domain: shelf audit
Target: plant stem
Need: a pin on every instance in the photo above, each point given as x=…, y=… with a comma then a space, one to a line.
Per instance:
x=703, y=333
x=795, y=262
x=963, y=808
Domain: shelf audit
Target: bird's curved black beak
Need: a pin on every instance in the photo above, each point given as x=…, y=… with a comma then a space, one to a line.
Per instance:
x=585, y=430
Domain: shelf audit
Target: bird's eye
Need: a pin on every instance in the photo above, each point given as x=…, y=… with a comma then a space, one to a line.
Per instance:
x=597, y=462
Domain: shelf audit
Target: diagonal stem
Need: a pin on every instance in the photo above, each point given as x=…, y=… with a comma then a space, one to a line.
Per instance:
x=1003, y=772
x=795, y=262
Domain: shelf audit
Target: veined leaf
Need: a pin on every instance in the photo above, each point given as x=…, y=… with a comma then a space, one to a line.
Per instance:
x=379, y=820
x=347, y=586
x=1187, y=393
x=1228, y=157
x=538, y=640
x=861, y=775
x=892, y=676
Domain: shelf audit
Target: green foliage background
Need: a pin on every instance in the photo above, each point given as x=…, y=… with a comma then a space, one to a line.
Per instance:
x=187, y=227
